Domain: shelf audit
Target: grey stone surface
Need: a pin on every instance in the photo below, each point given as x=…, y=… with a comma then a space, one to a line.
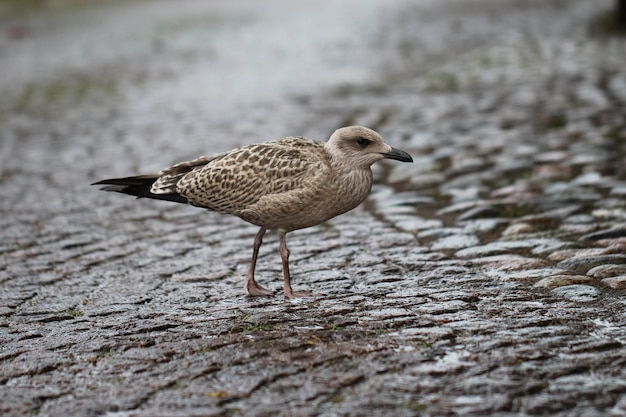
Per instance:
x=485, y=279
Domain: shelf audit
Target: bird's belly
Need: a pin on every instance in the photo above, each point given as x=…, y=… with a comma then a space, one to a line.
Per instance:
x=309, y=205
x=300, y=213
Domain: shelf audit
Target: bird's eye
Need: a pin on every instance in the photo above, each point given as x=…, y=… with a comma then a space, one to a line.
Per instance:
x=362, y=141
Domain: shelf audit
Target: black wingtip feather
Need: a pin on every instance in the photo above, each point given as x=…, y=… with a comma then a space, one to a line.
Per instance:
x=141, y=180
x=139, y=187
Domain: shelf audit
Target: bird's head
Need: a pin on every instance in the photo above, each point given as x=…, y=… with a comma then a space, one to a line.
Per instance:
x=358, y=146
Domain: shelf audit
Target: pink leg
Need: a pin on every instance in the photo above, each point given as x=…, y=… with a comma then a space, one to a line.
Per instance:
x=251, y=287
x=284, y=254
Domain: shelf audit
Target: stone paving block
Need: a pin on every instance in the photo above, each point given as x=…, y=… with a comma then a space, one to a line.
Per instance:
x=484, y=279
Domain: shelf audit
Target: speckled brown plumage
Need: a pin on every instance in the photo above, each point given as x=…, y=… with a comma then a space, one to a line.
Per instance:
x=282, y=185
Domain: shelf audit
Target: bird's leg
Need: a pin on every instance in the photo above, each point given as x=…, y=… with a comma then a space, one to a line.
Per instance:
x=284, y=254
x=251, y=287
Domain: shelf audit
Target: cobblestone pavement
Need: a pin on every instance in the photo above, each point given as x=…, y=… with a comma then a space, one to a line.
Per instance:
x=487, y=278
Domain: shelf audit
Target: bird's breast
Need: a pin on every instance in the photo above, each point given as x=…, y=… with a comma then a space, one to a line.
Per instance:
x=352, y=188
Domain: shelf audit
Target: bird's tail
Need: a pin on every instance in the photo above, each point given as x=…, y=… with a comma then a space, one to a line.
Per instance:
x=139, y=187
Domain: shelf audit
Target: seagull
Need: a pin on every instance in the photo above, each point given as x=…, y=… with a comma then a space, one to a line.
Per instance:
x=281, y=185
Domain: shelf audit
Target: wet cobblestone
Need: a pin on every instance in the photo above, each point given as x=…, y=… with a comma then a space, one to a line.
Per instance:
x=487, y=278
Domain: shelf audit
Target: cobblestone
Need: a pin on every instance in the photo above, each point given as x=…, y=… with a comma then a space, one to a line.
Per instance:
x=487, y=278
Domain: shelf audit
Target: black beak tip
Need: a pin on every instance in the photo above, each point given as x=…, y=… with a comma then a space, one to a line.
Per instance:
x=398, y=155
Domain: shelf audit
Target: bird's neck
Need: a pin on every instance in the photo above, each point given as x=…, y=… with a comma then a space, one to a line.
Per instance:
x=353, y=184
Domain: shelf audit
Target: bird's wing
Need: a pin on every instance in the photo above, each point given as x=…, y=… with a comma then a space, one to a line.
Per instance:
x=232, y=182
x=169, y=177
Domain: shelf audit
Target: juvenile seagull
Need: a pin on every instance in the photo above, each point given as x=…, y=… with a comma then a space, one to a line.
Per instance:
x=282, y=185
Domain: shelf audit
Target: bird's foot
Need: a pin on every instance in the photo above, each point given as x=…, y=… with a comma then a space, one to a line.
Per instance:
x=253, y=288
x=296, y=294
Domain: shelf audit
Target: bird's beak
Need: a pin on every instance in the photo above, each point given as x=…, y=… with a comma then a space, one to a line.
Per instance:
x=398, y=155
